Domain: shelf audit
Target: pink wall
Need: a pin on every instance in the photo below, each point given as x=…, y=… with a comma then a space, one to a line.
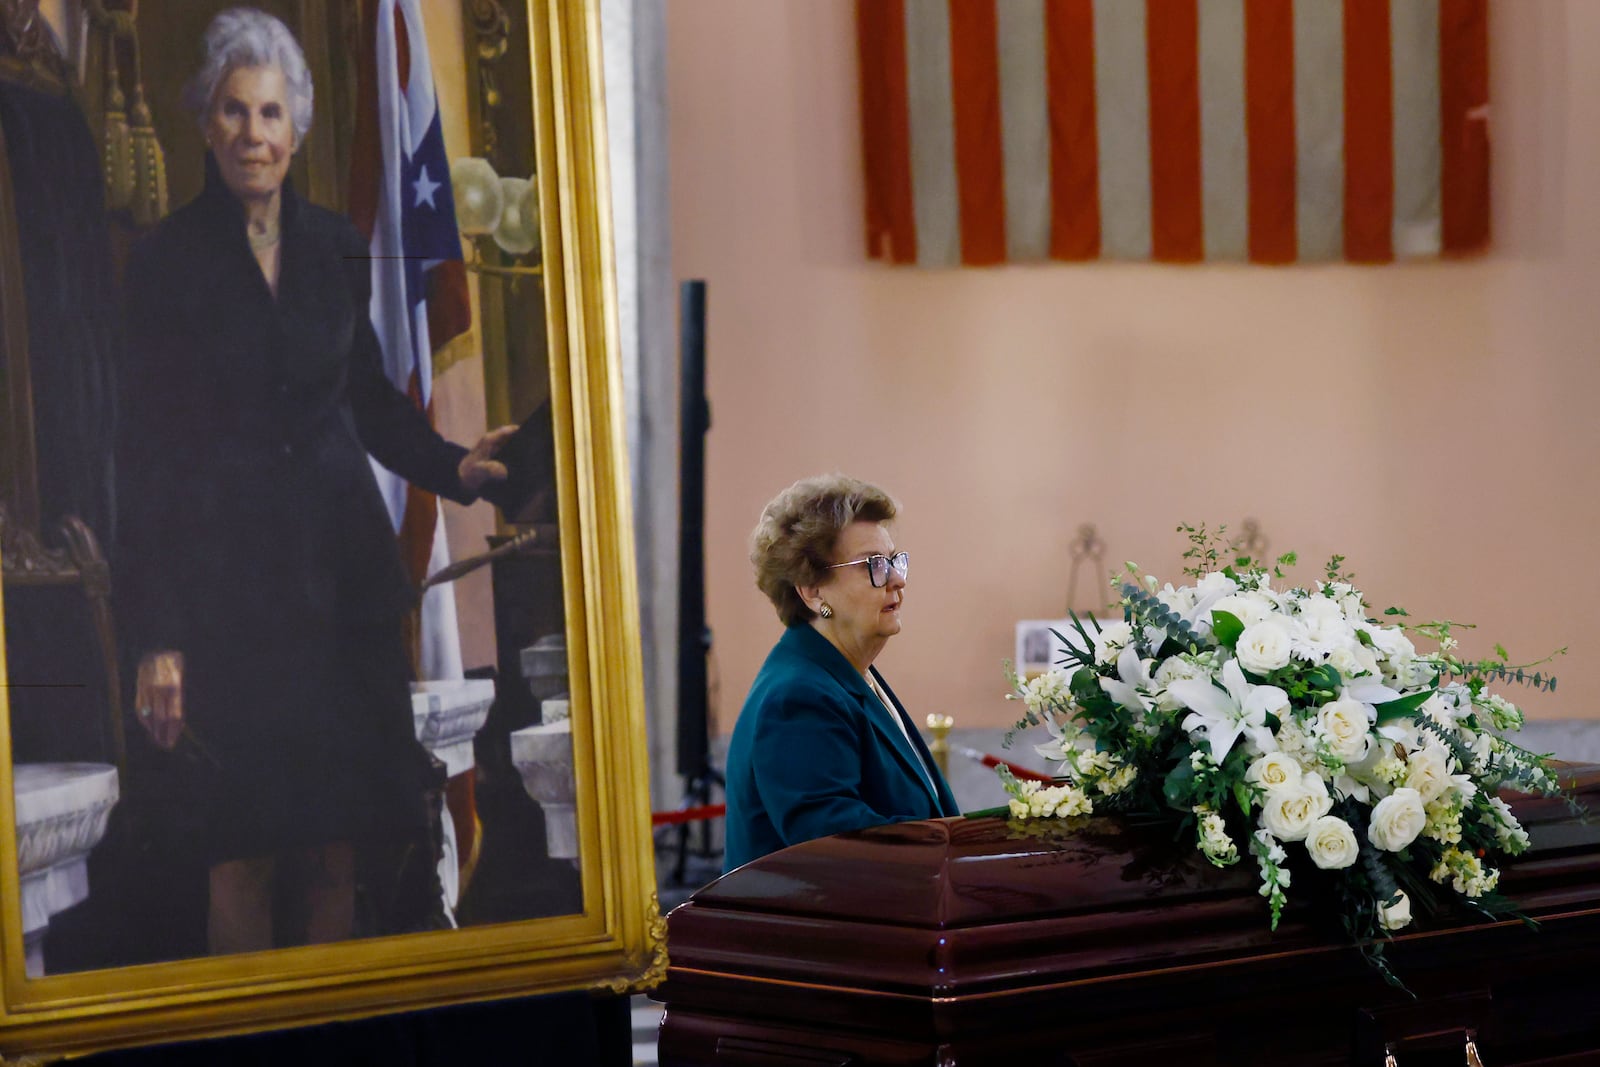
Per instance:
x=1430, y=421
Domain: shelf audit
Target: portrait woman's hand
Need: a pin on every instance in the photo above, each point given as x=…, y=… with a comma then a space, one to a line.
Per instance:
x=479, y=466
x=158, y=696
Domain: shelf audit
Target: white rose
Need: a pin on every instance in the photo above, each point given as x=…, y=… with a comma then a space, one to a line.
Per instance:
x=1428, y=772
x=1392, y=642
x=1343, y=726
x=1290, y=809
x=1397, y=915
x=1274, y=770
x=1263, y=648
x=1325, y=623
x=1331, y=843
x=1111, y=640
x=1215, y=584
x=1247, y=609
x=1396, y=820
x=1353, y=661
x=1179, y=600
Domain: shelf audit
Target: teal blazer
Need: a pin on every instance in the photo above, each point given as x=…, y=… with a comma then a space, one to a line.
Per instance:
x=815, y=753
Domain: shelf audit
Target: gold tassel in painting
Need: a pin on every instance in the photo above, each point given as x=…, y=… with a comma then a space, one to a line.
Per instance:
x=118, y=146
x=149, y=165
x=149, y=162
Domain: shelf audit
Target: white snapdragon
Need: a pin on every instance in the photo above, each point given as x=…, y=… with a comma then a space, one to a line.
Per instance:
x=1444, y=820
x=1388, y=769
x=1508, y=832
x=1465, y=872
x=1118, y=780
x=1032, y=800
x=1047, y=690
x=1504, y=714
x=1396, y=820
x=1331, y=843
x=1274, y=878
x=1211, y=834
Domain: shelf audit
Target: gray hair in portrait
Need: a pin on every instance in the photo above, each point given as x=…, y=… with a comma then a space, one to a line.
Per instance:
x=247, y=37
x=797, y=531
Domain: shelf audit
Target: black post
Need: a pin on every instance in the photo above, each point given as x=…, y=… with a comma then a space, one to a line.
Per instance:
x=694, y=638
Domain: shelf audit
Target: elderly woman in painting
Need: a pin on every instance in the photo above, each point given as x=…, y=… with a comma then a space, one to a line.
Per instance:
x=822, y=744
x=264, y=592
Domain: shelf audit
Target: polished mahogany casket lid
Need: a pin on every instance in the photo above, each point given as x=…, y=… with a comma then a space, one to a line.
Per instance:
x=983, y=941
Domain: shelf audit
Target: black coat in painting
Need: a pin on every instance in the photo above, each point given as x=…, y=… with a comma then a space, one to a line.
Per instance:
x=253, y=537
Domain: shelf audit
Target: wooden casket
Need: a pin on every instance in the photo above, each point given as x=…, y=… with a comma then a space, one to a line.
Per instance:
x=961, y=943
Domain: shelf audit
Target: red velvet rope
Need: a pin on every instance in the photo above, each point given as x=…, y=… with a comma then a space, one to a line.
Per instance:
x=700, y=814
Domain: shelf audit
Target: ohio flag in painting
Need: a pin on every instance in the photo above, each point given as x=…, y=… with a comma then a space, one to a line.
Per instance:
x=400, y=194
x=1177, y=130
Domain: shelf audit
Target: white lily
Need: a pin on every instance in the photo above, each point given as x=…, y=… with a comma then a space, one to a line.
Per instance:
x=1370, y=690
x=1226, y=713
x=1063, y=736
x=1132, y=682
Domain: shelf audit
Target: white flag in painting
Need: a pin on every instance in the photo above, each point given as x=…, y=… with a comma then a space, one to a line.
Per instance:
x=419, y=295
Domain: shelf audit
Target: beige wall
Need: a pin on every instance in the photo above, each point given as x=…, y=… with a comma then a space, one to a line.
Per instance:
x=1431, y=421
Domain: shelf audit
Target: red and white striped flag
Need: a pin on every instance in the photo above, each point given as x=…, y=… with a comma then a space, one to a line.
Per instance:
x=400, y=196
x=1177, y=130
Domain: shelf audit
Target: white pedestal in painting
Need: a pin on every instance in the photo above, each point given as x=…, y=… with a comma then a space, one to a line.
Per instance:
x=62, y=810
x=447, y=715
x=543, y=757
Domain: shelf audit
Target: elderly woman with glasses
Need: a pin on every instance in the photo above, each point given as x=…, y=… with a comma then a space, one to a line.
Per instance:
x=822, y=744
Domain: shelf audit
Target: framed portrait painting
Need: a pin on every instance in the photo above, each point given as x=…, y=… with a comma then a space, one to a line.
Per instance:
x=321, y=683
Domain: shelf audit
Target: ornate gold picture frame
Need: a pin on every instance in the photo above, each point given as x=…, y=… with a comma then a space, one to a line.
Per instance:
x=533, y=64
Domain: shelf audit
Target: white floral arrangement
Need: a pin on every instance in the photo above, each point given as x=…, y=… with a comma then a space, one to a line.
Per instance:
x=1289, y=726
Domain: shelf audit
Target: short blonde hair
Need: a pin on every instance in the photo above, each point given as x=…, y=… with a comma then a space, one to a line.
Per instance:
x=793, y=543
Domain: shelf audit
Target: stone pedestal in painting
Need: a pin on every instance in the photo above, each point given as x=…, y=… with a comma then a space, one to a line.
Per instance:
x=543, y=757
x=447, y=716
x=961, y=943
x=61, y=809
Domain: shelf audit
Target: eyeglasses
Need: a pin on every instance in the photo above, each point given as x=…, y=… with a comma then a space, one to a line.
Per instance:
x=878, y=567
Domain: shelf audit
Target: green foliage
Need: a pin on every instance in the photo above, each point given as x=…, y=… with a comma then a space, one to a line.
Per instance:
x=1335, y=572
x=1146, y=609
x=1205, y=548
x=1391, y=710
x=1226, y=628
